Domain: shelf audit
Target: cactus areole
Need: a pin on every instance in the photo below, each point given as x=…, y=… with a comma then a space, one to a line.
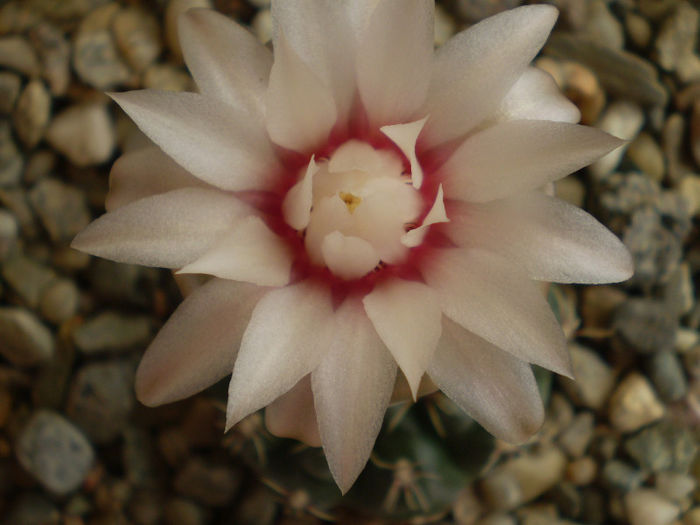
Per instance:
x=364, y=205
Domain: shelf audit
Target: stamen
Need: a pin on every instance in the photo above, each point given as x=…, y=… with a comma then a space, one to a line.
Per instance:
x=350, y=200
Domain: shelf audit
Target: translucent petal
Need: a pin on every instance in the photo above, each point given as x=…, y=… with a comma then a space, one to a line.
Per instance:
x=535, y=96
x=249, y=252
x=286, y=338
x=225, y=59
x=169, y=230
x=406, y=315
x=222, y=146
x=497, y=301
x=552, y=240
x=520, y=155
x=296, y=206
x=437, y=214
x=300, y=109
x=198, y=345
x=352, y=387
x=394, y=60
x=143, y=173
x=405, y=137
x=348, y=257
x=475, y=69
x=320, y=33
x=292, y=415
x=492, y=386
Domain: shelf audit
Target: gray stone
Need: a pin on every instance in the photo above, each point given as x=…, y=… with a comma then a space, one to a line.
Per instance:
x=54, y=54
x=211, y=485
x=83, y=133
x=59, y=301
x=62, y=208
x=11, y=162
x=27, y=278
x=594, y=378
x=675, y=486
x=576, y=438
x=648, y=507
x=31, y=114
x=9, y=91
x=678, y=292
x=622, y=73
x=522, y=479
x=55, y=452
x=110, y=331
x=634, y=404
x=677, y=38
x=138, y=457
x=17, y=53
x=619, y=475
x=101, y=399
x=8, y=233
x=666, y=372
x=95, y=55
x=646, y=325
x=24, y=341
x=664, y=446
x=138, y=37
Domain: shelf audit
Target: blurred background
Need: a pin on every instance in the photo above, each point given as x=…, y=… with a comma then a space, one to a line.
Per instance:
x=618, y=446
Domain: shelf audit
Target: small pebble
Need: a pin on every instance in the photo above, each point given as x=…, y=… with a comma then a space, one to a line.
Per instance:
x=32, y=112
x=602, y=27
x=594, y=378
x=663, y=446
x=138, y=36
x=83, y=133
x=167, y=77
x=634, y=404
x=62, y=208
x=638, y=29
x=54, y=54
x=33, y=509
x=110, y=331
x=622, y=119
x=675, y=43
x=690, y=190
x=619, y=475
x=11, y=161
x=59, y=301
x=211, y=485
x=9, y=91
x=666, y=372
x=24, y=341
x=575, y=439
x=17, y=53
x=675, y=486
x=27, y=278
x=55, y=452
x=582, y=471
x=646, y=153
x=40, y=164
x=646, y=325
x=648, y=507
x=183, y=512
x=262, y=26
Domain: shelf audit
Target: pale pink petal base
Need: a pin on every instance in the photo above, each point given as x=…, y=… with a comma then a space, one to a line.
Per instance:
x=292, y=415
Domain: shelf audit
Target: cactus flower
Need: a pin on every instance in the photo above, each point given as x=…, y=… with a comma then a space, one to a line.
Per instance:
x=366, y=207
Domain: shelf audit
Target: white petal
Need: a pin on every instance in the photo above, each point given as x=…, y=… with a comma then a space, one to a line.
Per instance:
x=225, y=59
x=497, y=301
x=300, y=109
x=348, y=257
x=359, y=13
x=536, y=96
x=352, y=387
x=292, y=415
x=405, y=137
x=320, y=33
x=437, y=214
x=296, y=206
x=474, y=70
x=355, y=155
x=286, y=338
x=492, y=386
x=551, y=239
x=168, y=230
x=406, y=315
x=212, y=140
x=199, y=343
x=249, y=252
x=394, y=60
x=143, y=173
x=519, y=155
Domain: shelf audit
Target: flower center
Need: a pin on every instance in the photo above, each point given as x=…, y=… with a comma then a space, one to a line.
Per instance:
x=359, y=207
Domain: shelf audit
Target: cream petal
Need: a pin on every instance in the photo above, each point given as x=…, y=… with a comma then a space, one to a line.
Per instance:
x=143, y=173
x=300, y=109
x=552, y=240
x=394, y=60
x=225, y=59
x=474, y=70
x=348, y=257
x=286, y=338
x=249, y=252
x=168, y=230
x=198, y=345
x=359, y=13
x=215, y=142
x=492, y=386
x=497, y=301
x=320, y=33
x=536, y=96
x=352, y=387
x=520, y=155
x=296, y=207
x=292, y=415
x=405, y=137
x=437, y=214
x=406, y=315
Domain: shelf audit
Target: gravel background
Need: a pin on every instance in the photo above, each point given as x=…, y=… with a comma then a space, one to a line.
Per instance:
x=619, y=446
